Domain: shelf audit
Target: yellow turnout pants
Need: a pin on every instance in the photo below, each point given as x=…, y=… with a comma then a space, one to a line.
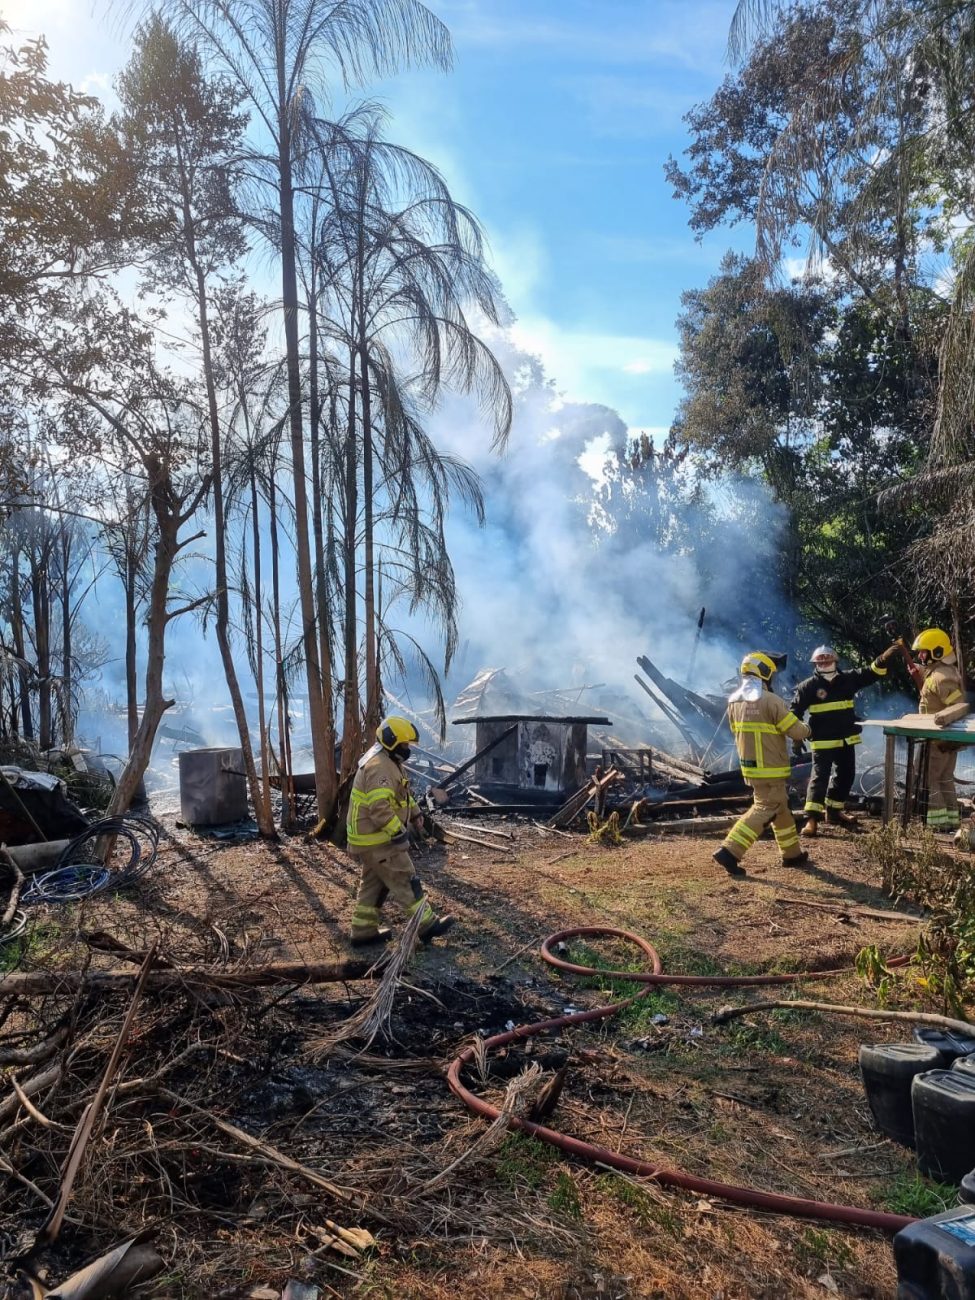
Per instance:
x=943, y=812
x=771, y=804
x=387, y=872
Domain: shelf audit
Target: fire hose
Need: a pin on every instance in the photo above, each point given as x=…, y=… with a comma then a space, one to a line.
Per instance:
x=777, y=1203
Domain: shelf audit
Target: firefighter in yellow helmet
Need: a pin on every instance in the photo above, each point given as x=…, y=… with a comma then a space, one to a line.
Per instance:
x=761, y=722
x=939, y=681
x=381, y=808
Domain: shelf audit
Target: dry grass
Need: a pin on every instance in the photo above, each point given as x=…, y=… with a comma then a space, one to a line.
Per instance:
x=458, y=1209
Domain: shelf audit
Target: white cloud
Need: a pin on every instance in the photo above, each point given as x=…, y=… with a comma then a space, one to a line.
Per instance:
x=580, y=359
x=666, y=31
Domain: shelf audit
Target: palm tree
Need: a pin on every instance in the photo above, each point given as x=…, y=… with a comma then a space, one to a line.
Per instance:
x=404, y=267
x=280, y=55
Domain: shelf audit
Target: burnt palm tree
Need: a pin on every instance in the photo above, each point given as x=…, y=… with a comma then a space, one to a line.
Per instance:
x=281, y=55
x=403, y=274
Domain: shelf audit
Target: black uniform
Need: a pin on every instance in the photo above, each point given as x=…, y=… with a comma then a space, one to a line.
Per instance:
x=829, y=703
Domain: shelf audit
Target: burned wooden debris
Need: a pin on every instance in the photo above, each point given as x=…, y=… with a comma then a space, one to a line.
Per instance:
x=557, y=768
x=189, y=1097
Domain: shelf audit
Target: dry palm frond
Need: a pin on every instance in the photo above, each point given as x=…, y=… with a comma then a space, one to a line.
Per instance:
x=373, y=1017
x=516, y=1097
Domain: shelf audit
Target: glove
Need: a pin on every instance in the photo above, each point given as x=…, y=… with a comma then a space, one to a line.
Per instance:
x=897, y=648
x=798, y=748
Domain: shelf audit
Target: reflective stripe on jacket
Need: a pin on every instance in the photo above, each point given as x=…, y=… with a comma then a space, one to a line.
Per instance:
x=380, y=801
x=760, y=728
x=941, y=688
x=829, y=703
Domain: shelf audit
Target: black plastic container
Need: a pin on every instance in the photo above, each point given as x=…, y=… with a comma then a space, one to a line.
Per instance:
x=944, y=1123
x=935, y=1257
x=964, y=1065
x=952, y=1046
x=966, y=1192
x=888, y=1071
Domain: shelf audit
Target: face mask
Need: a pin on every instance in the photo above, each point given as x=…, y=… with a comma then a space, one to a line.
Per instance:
x=402, y=752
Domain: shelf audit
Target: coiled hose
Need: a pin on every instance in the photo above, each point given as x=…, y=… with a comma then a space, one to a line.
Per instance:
x=796, y=1206
x=80, y=873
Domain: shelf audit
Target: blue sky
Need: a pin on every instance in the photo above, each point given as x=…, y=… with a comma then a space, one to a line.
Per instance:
x=554, y=126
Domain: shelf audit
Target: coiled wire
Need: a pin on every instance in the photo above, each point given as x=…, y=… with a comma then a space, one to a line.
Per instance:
x=80, y=874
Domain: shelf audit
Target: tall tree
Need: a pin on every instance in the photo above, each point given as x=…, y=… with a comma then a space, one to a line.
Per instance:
x=280, y=54
x=185, y=130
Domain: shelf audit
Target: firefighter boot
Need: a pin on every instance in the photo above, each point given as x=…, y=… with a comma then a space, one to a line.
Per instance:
x=382, y=935
x=725, y=858
x=437, y=927
x=799, y=860
x=837, y=817
x=811, y=828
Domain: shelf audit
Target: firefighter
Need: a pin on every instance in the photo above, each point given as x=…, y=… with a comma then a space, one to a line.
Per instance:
x=827, y=696
x=380, y=810
x=760, y=723
x=940, y=685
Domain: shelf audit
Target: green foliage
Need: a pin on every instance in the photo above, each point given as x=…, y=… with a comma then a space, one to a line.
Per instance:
x=632, y=1019
x=819, y=1249
x=911, y=1193
x=650, y=1212
x=914, y=867
x=524, y=1161
x=564, y=1197
x=39, y=942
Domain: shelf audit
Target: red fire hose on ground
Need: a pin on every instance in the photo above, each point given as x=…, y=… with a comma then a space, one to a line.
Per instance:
x=796, y=1206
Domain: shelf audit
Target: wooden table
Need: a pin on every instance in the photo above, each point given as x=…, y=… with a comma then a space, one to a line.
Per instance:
x=914, y=728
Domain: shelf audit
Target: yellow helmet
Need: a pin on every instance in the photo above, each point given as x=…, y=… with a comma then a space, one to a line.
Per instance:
x=395, y=731
x=758, y=664
x=934, y=641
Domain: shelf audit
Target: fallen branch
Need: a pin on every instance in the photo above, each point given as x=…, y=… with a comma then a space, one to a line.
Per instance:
x=52, y=1225
x=18, y=884
x=30, y=1087
x=472, y=839
x=37, y=1054
x=279, y=1158
x=724, y=1014
x=875, y=913
x=373, y=1018
x=297, y=973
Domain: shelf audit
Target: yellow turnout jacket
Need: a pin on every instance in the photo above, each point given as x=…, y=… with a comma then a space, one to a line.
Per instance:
x=380, y=804
x=760, y=724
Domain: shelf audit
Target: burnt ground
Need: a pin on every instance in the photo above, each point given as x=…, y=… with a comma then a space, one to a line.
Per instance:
x=773, y=1101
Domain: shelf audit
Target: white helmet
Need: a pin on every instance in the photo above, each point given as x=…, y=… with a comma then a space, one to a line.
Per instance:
x=823, y=652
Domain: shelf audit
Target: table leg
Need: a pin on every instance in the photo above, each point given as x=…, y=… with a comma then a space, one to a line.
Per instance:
x=889, y=780
x=910, y=794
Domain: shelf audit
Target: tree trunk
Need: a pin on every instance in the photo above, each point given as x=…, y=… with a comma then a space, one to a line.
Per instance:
x=280, y=677
x=369, y=580
x=20, y=646
x=322, y=741
x=40, y=599
x=351, y=723
x=318, y=529
x=131, y=648
x=262, y=813
x=164, y=557
x=67, y=682
x=259, y=645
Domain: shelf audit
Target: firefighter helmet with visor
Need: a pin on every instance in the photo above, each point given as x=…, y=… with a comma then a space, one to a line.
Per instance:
x=393, y=731
x=758, y=664
x=934, y=641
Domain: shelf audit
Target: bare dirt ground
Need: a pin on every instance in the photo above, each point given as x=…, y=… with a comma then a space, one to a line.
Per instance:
x=773, y=1101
